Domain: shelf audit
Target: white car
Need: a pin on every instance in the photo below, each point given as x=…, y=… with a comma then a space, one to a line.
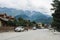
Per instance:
x=19, y=29
x=34, y=28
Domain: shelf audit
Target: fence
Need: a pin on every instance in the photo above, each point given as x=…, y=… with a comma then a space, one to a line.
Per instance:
x=6, y=29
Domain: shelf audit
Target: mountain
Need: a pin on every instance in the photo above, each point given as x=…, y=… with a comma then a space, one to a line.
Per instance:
x=22, y=16
x=11, y=11
x=39, y=17
x=27, y=14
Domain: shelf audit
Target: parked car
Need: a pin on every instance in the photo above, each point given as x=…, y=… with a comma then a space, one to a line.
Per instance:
x=34, y=28
x=19, y=29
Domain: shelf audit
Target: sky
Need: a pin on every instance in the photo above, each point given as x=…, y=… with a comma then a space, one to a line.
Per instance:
x=37, y=5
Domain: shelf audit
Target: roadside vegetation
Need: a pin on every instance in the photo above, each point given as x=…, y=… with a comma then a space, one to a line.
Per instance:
x=56, y=15
x=21, y=22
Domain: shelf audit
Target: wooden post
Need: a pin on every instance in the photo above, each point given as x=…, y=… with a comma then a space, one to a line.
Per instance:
x=0, y=23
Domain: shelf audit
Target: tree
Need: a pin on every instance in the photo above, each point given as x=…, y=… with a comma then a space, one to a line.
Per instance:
x=21, y=21
x=33, y=23
x=9, y=23
x=56, y=15
x=15, y=22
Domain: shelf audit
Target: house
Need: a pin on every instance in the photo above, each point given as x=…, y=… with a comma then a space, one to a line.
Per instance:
x=39, y=25
x=4, y=19
x=2, y=22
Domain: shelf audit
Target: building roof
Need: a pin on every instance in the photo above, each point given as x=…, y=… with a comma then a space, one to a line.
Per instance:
x=4, y=19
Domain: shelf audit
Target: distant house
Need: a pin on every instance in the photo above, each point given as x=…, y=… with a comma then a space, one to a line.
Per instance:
x=4, y=19
x=39, y=25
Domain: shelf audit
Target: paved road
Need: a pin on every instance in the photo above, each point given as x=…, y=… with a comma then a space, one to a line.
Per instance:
x=40, y=34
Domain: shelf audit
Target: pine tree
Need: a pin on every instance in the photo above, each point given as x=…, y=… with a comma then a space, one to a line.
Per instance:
x=56, y=15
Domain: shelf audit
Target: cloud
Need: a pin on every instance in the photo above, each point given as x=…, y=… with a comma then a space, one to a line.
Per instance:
x=38, y=5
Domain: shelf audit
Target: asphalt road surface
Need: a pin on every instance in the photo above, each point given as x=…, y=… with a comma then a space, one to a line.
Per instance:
x=39, y=34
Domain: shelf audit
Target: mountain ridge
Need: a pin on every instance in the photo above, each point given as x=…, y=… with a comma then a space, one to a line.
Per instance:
x=27, y=14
